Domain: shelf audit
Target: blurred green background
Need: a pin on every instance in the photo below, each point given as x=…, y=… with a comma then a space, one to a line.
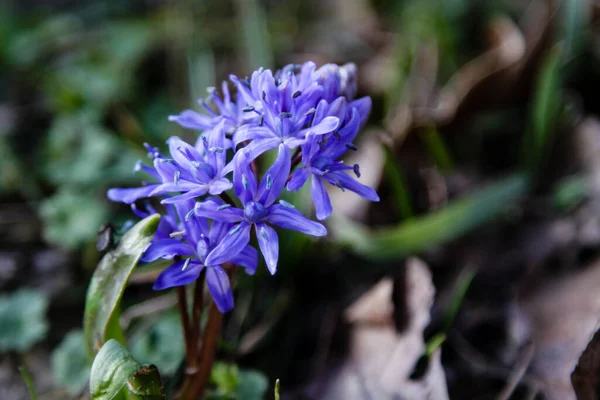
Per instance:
x=473, y=133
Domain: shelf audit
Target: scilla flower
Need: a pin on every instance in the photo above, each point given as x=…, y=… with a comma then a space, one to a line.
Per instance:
x=259, y=211
x=301, y=108
x=192, y=171
x=320, y=162
x=188, y=250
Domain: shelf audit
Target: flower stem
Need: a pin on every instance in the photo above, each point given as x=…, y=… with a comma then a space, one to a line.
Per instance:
x=196, y=381
x=192, y=334
x=296, y=159
x=197, y=314
x=209, y=346
x=185, y=321
x=194, y=385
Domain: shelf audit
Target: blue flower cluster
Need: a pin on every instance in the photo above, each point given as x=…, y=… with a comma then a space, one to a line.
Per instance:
x=308, y=115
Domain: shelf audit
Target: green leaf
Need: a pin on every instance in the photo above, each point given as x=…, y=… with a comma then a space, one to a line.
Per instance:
x=108, y=283
x=437, y=150
x=28, y=379
x=418, y=234
x=460, y=291
x=70, y=363
x=277, y=389
x=397, y=182
x=116, y=373
x=22, y=319
x=547, y=105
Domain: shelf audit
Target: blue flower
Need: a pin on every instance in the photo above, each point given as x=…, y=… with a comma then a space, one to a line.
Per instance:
x=229, y=112
x=285, y=104
x=259, y=210
x=320, y=157
x=337, y=81
x=192, y=171
x=189, y=248
x=169, y=221
x=313, y=111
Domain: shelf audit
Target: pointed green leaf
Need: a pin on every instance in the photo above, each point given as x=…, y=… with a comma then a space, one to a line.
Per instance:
x=116, y=374
x=28, y=379
x=418, y=234
x=546, y=112
x=101, y=321
x=276, y=390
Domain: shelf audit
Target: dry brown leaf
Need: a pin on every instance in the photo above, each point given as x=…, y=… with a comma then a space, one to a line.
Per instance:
x=563, y=317
x=381, y=360
x=586, y=377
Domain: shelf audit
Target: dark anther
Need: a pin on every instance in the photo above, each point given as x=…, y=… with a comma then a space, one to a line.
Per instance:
x=106, y=237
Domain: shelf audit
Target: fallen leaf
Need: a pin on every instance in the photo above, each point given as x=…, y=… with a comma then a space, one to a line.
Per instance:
x=586, y=377
x=563, y=315
x=381, y=360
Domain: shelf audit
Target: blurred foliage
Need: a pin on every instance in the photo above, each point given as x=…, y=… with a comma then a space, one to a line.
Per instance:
x=83, y=83
x=546, y=112
x=418, y=234
x=235, y=384
x=79, y=151
x=71, y=218
x=22, y=319
x=156, y=344
x=70, y=364
x=570, y=192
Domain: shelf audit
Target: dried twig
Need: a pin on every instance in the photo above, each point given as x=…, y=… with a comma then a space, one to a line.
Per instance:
x=517, y=373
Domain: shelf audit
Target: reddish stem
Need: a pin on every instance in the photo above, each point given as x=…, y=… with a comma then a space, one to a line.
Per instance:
x=195, y=384
x=185, y=321
x=297, y=157
x=193, y=334
x=197, y=312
